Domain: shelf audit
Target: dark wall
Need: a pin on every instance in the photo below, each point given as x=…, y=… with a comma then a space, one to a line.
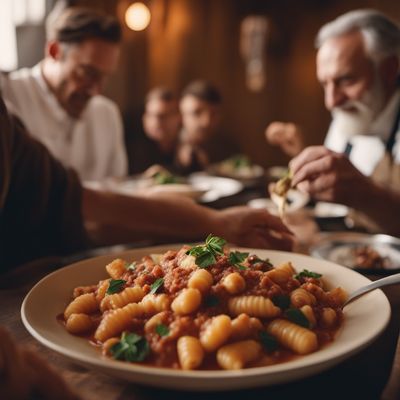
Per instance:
x=190, y=39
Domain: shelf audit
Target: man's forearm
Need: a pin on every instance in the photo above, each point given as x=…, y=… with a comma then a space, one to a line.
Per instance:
x=161, y=217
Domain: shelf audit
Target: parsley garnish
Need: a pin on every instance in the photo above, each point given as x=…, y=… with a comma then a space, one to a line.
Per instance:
x=206, y=254
x=131, y=347
x=156, y=285
x=131, y=266
x=268, y=341
x=239, y=161
x=307, y=274
x=282, y=301
x=165, y=178
x=115, y=286
x=236, y=258
x=295, y=315
x=162, y=330
x=256, y=260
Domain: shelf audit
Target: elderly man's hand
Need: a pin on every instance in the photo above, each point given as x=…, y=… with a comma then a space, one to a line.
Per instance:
x=24, y=375
x=256, y=228
x=328, y=176
x=287, y=136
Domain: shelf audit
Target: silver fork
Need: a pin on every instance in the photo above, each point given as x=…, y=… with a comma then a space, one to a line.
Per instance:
x=390, y=280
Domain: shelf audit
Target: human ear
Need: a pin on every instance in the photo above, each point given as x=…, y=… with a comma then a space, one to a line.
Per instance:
x=54, y=50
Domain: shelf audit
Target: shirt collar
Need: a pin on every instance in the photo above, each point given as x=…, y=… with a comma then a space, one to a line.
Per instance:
x=58, y=112
x=51, y=99
x=383, y=124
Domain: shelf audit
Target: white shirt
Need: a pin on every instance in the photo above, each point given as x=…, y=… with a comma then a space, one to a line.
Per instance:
x=368, y=150
x=93, y=144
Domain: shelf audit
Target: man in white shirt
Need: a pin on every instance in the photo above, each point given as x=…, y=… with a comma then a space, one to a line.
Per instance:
x=59, y=99
x=358, y=67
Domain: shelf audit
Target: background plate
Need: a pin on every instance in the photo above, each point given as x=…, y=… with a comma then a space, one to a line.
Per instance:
x=218, y=186
x=200, y=186
x=339, y=248
x=365, y=319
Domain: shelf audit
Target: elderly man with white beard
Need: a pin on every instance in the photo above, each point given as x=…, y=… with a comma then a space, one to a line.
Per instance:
x=359, y=165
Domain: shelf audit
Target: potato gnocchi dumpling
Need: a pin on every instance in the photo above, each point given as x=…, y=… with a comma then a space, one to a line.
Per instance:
x=223, y=310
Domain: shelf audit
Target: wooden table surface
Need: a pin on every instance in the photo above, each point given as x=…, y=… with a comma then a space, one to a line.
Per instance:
x=373, y=373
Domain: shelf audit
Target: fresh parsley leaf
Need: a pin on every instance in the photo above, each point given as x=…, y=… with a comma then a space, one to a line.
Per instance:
x=115, y=286
x=236, y=258
x=211, y=301
x=295, y=315
x=282, y=301
x=215, y=243
x=196, y=251
x=131, y=347
x=206, y=254
x=205, y=259
x=162, y=330
x=268, y=341
x=307, y=274
x=253, y=259
x=132, y=266
x=165, y=178
x=156, y=285
x=239, y=161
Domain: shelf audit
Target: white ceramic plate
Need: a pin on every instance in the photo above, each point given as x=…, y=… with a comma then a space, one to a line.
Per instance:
x=295, y=201
x=324, y=209
x=200, y=186
x=218, y=186
x=248, y=175
x=251, y=172
x=365, y=319
x=339, y=247
x=137, y=186
x=277, y=172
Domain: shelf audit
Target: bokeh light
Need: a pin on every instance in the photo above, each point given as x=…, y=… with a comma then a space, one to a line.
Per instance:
x=137, y=16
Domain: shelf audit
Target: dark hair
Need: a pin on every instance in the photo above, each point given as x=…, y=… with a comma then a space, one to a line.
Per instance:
x=77, y=24
x=203, y=90
x=161, y=93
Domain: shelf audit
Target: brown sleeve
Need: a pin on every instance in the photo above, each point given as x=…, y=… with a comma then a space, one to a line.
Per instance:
x=41, y=208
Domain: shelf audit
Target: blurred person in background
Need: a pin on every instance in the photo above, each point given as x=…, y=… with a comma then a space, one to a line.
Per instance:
x=161, y=125
x=60, y=100
x=200, y=107
x=358, y=68
x=359, y=166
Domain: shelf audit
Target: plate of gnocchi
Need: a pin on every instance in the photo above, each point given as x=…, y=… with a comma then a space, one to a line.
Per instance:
x=204, y=317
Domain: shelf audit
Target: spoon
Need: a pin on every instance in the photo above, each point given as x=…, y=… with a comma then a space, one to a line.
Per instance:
x=390, y=280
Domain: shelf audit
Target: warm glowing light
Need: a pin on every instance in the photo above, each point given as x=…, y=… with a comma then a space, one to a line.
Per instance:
x=137, y=16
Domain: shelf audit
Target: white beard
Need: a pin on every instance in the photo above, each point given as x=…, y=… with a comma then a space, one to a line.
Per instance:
x=348, y=123
x=351, y=123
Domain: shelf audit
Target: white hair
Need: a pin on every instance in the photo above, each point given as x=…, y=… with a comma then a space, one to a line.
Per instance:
x=381, y=34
